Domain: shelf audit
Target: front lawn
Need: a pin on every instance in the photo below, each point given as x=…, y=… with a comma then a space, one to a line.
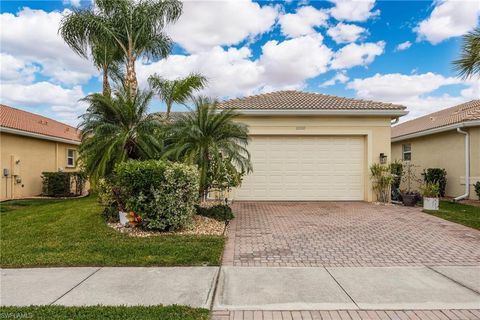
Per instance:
x=101, y=312
x=460, y=213
x=73, y=233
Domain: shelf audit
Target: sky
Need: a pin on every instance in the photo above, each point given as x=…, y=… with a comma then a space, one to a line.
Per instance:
x=390, y=51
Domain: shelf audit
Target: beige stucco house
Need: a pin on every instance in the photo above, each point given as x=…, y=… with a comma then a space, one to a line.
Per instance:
x=310, y=146
x=448, y=139
x=31, y=144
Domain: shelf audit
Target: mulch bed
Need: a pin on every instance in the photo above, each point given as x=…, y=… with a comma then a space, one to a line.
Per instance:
x=200, y=226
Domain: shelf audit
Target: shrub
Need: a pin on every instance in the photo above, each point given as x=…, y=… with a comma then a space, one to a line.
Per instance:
x=477, y=189
x=430, y=190
x=438, y=176
x=396, y=169
x=382, y=180
x=162, y=193
x=62, y=184
x=218, y=212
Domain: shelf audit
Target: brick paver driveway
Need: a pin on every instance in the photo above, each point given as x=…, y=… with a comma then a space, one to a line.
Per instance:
x=345, y=234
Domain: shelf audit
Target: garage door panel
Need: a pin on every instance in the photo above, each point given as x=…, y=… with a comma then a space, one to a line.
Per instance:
x=305, y=168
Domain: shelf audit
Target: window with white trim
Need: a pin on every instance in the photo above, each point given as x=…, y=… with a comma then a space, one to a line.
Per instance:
x=407, y=152
x=71, y=154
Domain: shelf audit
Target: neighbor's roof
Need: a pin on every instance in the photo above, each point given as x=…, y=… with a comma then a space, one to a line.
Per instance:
x=33, y=123
x=297, y=100
x=469, y=111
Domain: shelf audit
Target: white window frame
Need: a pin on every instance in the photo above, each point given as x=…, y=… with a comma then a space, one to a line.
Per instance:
x=73, y=157
x=409, y=152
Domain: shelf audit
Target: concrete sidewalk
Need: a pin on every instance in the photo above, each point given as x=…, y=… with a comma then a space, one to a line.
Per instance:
x=248, y=288
x=108, y=286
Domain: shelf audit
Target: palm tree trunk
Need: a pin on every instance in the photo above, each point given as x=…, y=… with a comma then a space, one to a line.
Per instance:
x=107, y=90
x=131, y=75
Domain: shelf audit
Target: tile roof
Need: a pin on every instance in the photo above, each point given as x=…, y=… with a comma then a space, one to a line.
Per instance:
x=297, y=100
x=468, y=111
x=34, y=123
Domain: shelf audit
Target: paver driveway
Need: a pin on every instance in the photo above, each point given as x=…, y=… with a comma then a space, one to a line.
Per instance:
x=345, y=234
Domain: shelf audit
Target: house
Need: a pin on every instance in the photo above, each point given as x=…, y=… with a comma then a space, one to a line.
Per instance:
x=448, y=139
x=310, y=146
x=31, y=144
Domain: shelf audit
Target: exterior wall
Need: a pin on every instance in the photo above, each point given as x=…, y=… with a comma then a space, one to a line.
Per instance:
x=35, y=156
x=375, y=130
x=446, y=150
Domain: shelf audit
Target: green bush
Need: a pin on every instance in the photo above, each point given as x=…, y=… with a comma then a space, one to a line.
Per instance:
x=396, y=169
x=218, y=212
x=436, y=176
x=162, y=193
x=62, y=184
x=477, y=189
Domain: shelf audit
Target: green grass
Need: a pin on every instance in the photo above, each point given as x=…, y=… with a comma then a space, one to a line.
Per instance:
x=101, y=312
x=460, y=213
x=73, y=233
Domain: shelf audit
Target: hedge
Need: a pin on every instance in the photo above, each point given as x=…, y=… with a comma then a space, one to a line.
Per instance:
x=162, y=193
x=63, y=184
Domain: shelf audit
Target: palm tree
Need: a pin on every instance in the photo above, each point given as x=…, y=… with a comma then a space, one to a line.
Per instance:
x=206, y=134
x=176, y=91
x=107, y=59
x=468, y=64
x=134, y=27
x=117, y=128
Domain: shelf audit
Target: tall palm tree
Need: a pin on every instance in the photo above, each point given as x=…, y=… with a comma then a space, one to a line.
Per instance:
x=176, y=91
x=107, y=59
x=468, y=65
x=134, y=27
x=205, y=134
x=117, y=128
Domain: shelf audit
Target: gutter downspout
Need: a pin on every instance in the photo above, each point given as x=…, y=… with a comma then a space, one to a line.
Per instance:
x=467, y=165
x=395, y=121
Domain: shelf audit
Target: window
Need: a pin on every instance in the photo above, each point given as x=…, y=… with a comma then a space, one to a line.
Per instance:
x=71, y=157
x=407, y=152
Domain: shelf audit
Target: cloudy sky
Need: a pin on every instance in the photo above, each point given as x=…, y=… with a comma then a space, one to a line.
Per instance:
x=394, y=51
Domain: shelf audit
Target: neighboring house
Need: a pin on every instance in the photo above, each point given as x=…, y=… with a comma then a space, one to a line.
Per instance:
x=309, y=146
x=438, y=140
x=31, y=144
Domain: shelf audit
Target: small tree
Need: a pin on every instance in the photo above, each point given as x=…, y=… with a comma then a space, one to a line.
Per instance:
x=382, y=179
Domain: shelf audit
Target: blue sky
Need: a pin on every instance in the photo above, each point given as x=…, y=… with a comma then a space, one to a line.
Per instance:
x=392, y=51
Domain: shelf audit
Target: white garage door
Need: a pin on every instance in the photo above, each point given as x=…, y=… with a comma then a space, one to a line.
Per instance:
x=305, y=168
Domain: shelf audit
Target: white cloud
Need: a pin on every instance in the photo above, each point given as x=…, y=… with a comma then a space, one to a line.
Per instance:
x=343, y=33
x=292, y=61
x=205, y=24
x=229, y=72
x=232, y=72
x=303, y=21
x=340, y=77
x=31, y=37
x=414, y=91
x=64, y=102
x=449, y=19
x=403, y=46
x=357, y=54
x=353, y=10
x=15, y=70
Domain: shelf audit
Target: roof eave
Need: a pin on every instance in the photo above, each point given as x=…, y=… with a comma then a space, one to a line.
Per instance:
x=325, y=112
x=464, y=124
x=38, y=135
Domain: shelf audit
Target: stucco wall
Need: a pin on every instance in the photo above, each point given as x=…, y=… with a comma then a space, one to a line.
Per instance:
x=376, y=131
x=446, y=150
x=35, y=156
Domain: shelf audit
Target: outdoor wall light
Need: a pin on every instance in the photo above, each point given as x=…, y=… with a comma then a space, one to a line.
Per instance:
x=383, y=158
